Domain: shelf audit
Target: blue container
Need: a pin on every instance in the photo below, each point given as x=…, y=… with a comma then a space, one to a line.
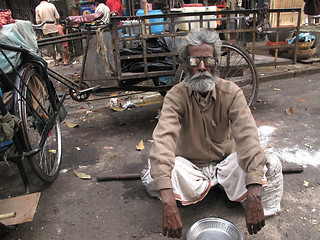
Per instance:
x=155, y=28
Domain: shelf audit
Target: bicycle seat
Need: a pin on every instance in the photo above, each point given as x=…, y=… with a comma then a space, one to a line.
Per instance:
x=88, y=18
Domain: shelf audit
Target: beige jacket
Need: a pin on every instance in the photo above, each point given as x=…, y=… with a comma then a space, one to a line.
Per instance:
x=205, y=131
x=47, y=11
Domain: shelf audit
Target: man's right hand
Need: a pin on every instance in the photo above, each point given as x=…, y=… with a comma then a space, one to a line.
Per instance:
x=171, y=219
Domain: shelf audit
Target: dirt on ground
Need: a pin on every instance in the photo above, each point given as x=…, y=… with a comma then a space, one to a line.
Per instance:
x=105, y=143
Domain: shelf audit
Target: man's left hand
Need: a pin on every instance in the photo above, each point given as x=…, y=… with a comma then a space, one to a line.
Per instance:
x=254, y=211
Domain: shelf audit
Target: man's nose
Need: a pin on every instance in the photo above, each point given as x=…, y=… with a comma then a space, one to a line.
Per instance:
x=202, y=66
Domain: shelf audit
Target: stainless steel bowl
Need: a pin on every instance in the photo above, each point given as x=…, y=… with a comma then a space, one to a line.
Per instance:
x=213, y=229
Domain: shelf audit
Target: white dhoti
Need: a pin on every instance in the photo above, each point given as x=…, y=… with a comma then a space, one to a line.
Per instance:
x=191, y=184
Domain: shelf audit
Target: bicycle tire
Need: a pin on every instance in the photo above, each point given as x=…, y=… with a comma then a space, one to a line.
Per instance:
x=46, y=163
x=235, y=65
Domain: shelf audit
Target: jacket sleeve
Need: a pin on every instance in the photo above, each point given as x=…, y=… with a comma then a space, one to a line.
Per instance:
x=165, y=136
x=251, y=156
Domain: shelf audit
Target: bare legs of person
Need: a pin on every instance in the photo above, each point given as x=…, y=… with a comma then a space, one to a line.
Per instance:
x=54, y=56
x=65, y=56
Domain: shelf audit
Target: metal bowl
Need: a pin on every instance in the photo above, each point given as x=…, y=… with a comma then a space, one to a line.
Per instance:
x=213, y=229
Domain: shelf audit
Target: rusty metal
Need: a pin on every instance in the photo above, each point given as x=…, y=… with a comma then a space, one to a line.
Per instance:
x=292, y=169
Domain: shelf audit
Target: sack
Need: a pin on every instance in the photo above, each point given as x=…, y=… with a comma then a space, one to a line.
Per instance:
x=6, y=17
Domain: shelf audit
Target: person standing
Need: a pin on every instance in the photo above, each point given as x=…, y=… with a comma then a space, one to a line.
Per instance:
x=46, y=11
x=101, y=7
x=116, y=7
x=312, y=10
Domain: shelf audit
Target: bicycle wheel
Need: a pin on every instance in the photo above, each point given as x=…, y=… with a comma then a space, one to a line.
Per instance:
x=34, y=108
x=237, y=66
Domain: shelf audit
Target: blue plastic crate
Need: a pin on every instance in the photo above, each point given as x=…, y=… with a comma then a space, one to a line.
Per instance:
x=155, y=28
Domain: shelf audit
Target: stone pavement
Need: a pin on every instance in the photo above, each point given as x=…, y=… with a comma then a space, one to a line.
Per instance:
x=285, y=71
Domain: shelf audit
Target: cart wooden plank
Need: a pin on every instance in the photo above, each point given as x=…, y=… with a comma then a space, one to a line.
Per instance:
x=24, y=207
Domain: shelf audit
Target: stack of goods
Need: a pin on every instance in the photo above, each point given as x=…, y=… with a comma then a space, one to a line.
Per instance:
x=5, y=17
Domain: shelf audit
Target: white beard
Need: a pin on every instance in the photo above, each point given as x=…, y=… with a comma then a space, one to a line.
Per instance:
x=196, y=83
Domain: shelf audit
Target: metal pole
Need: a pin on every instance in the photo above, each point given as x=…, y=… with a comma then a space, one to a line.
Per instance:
x=132, y=7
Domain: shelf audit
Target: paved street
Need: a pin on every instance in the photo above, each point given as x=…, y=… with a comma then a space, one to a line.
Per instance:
x=105, y=143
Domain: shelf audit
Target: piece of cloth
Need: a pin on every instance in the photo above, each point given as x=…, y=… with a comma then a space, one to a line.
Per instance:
x=102, y=50
x=19, y=34
x=46, y=11
x=303, y=37
x=52, y=48
x=312, y=7
x=9, y=124
x=106, y=12
x=192, y=183
x=205, y=132
x=115, y=7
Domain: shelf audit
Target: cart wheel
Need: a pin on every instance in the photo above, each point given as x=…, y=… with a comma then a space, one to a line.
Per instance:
x=235, y=65
x=34, y=107
x=79, y=97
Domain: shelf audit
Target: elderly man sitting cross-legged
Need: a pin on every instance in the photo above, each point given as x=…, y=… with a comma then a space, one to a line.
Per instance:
x=206, y=136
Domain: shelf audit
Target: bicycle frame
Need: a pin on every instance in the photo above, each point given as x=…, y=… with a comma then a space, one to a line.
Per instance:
x=56, y=104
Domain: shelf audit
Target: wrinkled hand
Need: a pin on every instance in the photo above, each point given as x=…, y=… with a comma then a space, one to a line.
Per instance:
x=171, y=219
x=254, y=210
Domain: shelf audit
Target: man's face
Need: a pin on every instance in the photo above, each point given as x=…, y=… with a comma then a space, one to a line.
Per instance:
x=204, y=50
x=200, y=68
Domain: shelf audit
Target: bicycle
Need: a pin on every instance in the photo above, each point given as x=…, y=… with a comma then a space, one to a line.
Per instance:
x=35, y=102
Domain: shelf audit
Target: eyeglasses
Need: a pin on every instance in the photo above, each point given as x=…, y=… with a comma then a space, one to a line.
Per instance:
x=195, y=61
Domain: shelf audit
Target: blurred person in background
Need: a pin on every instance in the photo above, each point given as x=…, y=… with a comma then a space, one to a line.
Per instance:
x=46, y=11
x=312, y=10
x=101, y=7
x=116, y=7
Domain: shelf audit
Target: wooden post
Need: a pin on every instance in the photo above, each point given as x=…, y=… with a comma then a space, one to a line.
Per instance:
x=145, y=10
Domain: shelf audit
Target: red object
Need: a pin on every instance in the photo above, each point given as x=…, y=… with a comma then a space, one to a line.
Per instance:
x=87, y=18
x=5, y=17
x=274, y=43
x=193, y=5
x=221, y=4
x=115, y=7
